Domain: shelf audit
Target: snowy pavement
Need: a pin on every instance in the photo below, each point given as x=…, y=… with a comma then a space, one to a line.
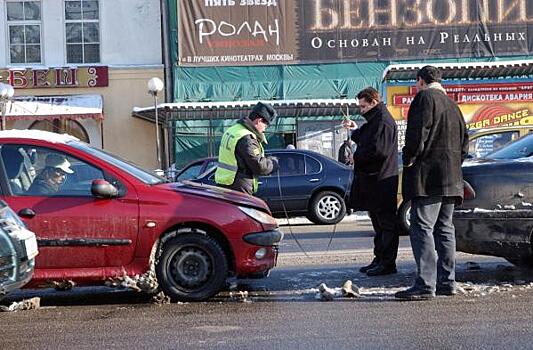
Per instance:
x=355, y=217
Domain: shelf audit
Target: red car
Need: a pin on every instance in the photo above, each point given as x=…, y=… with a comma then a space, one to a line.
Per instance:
x=99, y=218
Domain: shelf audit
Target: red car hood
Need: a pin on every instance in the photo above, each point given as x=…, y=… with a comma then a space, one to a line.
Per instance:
x=223, y=194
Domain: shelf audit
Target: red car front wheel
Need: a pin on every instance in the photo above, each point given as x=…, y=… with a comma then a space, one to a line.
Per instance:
x=192, y=267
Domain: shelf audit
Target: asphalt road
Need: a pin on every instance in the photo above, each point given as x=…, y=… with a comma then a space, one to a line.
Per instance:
x=493, y=312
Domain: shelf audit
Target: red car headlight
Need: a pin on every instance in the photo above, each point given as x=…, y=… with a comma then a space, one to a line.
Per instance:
x=259, y=216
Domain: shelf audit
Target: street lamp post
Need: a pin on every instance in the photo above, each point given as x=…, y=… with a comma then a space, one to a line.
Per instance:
x=155, y=85
x=6, y=93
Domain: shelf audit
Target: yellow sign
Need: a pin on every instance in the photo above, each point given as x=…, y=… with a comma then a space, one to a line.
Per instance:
x=483, y=105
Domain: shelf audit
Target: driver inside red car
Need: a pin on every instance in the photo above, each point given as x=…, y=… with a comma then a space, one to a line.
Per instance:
x=53, y=175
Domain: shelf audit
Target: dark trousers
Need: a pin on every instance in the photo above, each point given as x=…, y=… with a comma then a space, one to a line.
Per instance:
x=386, y=239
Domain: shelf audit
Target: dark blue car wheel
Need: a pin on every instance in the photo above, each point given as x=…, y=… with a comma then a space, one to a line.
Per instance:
x=326, y=208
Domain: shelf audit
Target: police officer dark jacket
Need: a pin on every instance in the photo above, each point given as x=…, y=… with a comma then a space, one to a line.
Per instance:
x=241, y=157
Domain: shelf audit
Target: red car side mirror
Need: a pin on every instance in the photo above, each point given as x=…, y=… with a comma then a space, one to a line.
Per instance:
x=102, y=189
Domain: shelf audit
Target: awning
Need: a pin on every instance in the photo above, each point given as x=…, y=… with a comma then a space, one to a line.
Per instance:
x=478, y=70
x=236, y=109
x=55, y=107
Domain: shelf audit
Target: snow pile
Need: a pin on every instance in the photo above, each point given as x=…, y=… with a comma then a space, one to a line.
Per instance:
x=239, y=296
x=480, y=290
x=161, y=298
x=29, y=304
x=146, y=282
x=59, y=285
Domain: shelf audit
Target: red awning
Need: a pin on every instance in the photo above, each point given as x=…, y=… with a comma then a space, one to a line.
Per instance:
x=55, y=107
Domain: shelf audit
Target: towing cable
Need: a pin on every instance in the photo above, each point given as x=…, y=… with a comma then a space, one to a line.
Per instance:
x=287, y=215
x=346, y=117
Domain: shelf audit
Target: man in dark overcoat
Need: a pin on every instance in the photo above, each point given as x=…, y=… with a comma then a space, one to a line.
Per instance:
x=436, y=143
x=375, y=184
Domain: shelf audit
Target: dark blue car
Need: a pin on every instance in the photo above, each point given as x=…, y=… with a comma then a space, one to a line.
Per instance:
x=307, y=184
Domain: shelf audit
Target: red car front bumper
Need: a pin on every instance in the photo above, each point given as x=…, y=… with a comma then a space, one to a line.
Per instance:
x=252, y=259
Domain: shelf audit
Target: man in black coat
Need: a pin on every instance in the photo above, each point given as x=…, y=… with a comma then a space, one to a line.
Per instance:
x=375, y=185
x=436, y=143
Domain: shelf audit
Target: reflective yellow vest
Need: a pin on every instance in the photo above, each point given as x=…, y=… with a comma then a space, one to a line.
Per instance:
x=227, y=163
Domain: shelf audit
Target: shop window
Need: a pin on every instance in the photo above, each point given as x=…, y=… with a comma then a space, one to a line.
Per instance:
x=82, y=30
x=24, y=31
x=62, y=126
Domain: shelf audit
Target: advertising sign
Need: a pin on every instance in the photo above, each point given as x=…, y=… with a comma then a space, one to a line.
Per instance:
x=483, y=105
x=66, y=77
x=254, y=32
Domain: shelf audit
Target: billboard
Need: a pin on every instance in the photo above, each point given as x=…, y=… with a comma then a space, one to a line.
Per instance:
x=484, y=105
x=255, y=32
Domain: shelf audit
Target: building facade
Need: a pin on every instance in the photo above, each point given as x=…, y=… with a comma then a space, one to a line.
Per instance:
x=307, y=56
x=79, y=66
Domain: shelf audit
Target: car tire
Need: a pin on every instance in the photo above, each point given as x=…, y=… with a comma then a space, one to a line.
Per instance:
x=192, y=267
x=326, y=208
x=404, y=218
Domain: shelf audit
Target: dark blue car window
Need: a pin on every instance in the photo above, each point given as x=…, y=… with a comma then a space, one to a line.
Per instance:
x=190, y=173
x=312, y=166
x=291, y=163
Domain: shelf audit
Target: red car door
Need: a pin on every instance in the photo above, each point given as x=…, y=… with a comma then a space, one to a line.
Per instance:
x=73, y=228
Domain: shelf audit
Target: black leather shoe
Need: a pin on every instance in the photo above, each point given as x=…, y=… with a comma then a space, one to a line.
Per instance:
x=373, y=264
x=446, y=291
x=381, y=270
x=414, y=293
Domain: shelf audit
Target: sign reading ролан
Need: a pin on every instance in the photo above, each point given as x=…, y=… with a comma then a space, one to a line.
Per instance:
x=251, y=32
x=236, y=32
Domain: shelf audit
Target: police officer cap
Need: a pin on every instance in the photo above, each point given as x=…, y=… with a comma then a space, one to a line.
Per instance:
x=265, y=111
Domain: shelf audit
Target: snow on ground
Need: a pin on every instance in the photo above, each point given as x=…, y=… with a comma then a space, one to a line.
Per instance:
x=468, y=289
x=357, y=216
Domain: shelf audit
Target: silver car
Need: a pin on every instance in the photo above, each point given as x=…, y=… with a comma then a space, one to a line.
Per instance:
x=18, y=249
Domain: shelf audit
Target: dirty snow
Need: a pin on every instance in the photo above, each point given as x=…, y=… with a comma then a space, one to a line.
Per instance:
x=28, y=304
x=506, y=208
x=470, y=289
x=239, y=296
x=357, y=216
x=60, y=285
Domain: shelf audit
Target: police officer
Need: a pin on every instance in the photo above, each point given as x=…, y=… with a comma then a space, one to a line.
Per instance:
x=241, y=157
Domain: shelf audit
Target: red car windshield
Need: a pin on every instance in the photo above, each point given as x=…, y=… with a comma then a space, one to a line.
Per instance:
x=132, y=169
